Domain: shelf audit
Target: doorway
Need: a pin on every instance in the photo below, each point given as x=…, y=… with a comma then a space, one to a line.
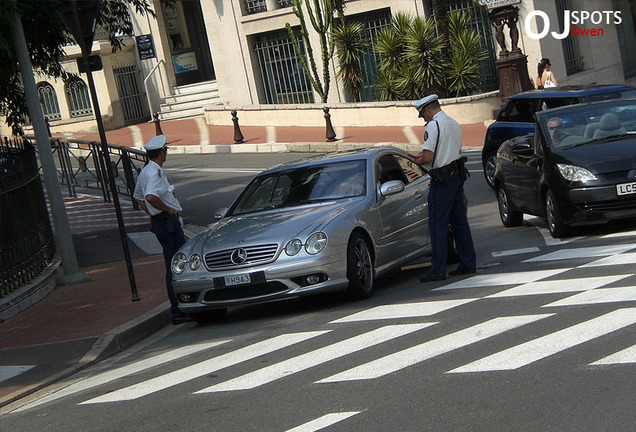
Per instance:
x=187, y=38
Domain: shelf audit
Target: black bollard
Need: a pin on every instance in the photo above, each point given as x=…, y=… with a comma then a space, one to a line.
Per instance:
x=238, y=136
x=331, y=134
x=157, y=123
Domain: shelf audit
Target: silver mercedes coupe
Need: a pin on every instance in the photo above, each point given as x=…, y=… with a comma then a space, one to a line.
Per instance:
x=325, y=223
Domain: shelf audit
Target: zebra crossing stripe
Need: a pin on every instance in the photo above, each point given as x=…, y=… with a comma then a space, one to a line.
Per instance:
x=314, y=358
x=559, y=286
x=625, y=356
x=497, y=279
x=586, y=252
x=619, y=234
x=205, y=367
x=620, y=259
x=324, y=421
x=408, y=310
x=605, y=295
x=537, y=349
x=123, y=371
x=427, y=350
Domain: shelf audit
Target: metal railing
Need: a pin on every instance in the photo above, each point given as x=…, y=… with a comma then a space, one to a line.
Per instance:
x=27, y=244
x=80, y=164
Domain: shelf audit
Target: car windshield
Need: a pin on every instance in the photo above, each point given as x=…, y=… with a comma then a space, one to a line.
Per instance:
x=303, y=185
x=588, y=124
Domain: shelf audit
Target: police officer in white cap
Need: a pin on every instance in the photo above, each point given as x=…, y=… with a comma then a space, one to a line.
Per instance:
x=441, y=155
x=156, y=197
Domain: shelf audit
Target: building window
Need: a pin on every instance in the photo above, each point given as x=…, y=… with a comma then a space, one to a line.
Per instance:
x=372, y=22
x=285, y=3
x=255, y=6
x=78, y=99
x=571, y=53
x=48, y=100
x=283, y=77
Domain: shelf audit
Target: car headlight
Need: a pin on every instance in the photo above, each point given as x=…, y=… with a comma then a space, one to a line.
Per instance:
x=179, y=263
x=575, y=173
x=194, y=262
x=293, y=247
x=316, y=243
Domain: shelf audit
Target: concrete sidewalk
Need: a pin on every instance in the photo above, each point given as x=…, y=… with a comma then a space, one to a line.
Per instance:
x=77, y=325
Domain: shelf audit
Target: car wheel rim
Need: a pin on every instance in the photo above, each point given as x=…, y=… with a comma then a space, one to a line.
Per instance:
x=503, y=204
x=549, y=206
x=364, y=269
x=490, y=169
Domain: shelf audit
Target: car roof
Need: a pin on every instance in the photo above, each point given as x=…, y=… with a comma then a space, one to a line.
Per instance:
x=571, y=91
x=337, y=156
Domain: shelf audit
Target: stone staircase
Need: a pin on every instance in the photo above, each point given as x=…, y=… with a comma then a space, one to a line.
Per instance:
x=188, y=100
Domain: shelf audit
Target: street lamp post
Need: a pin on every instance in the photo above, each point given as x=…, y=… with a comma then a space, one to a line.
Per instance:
x=80, y=17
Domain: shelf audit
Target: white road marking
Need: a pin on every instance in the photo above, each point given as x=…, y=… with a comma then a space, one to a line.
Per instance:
x=123, y=371
x=619, y=234
x=587, y=252
x=427, y=350
x=498, y=279
x=541, y=226
x=324, y=421
x=205, y=367
x=559, y=286
x=625, y=356
x=406, y=310
x=604, y=295
x=7, y=372
x=515, y=252
x=314, y=358
x=620, y=259
x=537, y=349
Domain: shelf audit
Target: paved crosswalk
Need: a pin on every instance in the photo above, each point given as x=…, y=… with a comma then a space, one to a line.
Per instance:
x=551, y=336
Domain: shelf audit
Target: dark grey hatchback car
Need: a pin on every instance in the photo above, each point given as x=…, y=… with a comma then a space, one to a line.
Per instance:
x=517, y=116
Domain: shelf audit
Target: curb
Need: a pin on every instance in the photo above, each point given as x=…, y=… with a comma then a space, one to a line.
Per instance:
x=108, y=344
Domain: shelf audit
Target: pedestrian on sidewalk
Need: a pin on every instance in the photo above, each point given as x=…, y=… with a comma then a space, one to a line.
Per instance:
x=155, y=196
x=441, y=156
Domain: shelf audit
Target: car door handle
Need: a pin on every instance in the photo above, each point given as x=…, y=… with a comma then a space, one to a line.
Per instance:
x=417, y=195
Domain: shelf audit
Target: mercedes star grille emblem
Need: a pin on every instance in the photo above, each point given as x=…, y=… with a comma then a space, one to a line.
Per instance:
x=239, y=256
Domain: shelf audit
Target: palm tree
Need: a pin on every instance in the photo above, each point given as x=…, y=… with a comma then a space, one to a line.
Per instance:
x=350, y=46
x=424, y=54
x=465, y=53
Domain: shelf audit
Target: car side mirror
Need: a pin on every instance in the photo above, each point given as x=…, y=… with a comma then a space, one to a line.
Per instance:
x=391, y=187
x=220, y=213
x=523, y=148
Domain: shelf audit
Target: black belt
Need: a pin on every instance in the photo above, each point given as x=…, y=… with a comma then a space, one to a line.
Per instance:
x=162, y=215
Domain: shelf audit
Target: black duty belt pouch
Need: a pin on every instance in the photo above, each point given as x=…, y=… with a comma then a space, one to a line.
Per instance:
x=461, y=168
x=170, y=219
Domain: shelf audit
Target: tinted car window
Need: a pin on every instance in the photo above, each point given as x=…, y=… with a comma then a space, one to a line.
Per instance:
x=390, y=169
x=619, y=94
x=521, y=110
x=549, y=103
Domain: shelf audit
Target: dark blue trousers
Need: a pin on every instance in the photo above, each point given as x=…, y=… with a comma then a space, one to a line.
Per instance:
x=170, y=243
x=447, y=205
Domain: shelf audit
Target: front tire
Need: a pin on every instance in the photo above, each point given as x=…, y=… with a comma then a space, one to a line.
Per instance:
x=553, y=216
x=509, y=217
x=489, y=169
x=359, y=268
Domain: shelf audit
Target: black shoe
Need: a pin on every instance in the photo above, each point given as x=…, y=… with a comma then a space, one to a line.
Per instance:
x=181, y=320
x=460, y=271
x=431, y=277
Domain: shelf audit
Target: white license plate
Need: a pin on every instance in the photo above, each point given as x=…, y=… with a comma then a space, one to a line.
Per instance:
x=626, y=188
x=237, y=280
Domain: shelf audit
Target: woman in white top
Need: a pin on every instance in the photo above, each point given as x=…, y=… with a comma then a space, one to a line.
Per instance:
x=545, y=77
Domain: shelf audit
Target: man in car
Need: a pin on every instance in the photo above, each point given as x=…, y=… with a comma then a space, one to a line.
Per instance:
x=441, y=155
x=556, y=130
x=156, y=197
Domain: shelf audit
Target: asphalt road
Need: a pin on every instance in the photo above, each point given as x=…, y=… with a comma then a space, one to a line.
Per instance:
x=542, y=338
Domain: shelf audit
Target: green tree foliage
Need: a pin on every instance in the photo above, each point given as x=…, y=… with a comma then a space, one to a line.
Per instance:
x=465, y=52
x=46, y=37
x=411, y=60
x=321, y=17
x=350, y=45
x=415, y=60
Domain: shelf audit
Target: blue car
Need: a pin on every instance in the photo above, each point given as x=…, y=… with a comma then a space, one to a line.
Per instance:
x=517, y=116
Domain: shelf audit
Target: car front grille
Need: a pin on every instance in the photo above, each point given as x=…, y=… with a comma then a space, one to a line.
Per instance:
x=255, y=255
x=616, y=175
x=241, y=292
x=618, y=205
